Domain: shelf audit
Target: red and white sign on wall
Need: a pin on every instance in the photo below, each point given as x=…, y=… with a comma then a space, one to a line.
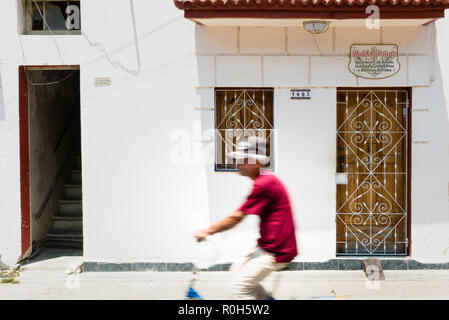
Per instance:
x=374, y=61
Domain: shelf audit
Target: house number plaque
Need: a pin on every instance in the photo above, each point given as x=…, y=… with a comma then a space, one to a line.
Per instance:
x=300, y=94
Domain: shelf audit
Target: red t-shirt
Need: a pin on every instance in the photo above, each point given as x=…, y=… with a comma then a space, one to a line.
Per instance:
x=269, y=200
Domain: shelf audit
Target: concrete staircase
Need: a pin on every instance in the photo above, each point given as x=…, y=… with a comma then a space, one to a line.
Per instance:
x=67, y=228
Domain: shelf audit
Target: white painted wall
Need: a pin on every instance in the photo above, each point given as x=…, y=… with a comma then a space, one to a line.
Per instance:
x=430, y=209
x=9, y=138
x=138, y=204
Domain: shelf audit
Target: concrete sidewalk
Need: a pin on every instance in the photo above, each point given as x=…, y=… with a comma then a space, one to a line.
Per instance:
x=48, y=279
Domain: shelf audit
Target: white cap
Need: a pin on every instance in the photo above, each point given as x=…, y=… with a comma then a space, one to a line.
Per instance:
x=252, y=148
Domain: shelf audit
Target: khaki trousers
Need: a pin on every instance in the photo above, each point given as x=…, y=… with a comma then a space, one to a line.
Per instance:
x=248, y=272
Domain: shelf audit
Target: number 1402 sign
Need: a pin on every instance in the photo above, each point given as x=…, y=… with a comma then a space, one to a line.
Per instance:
x=301, y=94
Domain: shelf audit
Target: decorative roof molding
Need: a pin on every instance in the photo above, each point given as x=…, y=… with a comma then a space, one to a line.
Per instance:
x=330, y=9
x=297, y=4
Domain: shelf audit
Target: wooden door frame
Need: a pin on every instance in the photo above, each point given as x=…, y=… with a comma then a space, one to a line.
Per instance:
x=24, y=165
x=409, y=153
x=24, y=148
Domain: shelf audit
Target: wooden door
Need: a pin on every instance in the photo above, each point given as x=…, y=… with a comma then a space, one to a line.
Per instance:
x=372, y=140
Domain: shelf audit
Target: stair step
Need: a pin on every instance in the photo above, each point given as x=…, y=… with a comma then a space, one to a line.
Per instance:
x=73, y=192
x=63, y=243
x=73, y=236
x=76, y=177
x=70, y=207
x=68, y=217
x=67, y=225
x=59, y=215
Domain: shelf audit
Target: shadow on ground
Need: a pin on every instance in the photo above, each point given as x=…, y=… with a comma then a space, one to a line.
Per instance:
x=52, y=254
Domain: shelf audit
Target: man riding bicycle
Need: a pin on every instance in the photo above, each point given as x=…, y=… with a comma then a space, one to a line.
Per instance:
x=269, y=200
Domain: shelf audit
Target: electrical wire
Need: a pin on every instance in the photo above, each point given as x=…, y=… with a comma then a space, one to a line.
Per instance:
x=99, y=46
x=48, y=83
x=316, y=43
x=42, y=83
x=25, y=59
x=49, y=29
x=116, y=63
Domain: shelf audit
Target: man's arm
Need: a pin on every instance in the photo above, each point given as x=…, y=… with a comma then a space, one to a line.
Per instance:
x=226, y=224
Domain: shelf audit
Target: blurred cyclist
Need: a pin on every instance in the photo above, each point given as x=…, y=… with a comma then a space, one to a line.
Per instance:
x=270, y=201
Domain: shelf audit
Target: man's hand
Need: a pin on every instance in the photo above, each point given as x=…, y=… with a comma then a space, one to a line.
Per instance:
x=226, y=224
x=202, y=234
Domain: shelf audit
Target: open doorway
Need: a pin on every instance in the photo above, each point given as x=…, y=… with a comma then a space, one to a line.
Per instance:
x=50, y=156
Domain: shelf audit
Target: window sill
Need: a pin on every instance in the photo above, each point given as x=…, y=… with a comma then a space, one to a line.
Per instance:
x=55, y=32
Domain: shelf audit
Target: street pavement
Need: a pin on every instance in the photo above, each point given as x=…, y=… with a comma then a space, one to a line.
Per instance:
x=56, y=278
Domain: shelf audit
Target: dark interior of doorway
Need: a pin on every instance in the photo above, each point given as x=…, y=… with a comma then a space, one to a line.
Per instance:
x=55, y=159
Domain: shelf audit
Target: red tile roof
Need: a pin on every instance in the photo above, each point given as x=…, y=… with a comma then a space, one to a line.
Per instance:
x=298, y=4
x=339, y=9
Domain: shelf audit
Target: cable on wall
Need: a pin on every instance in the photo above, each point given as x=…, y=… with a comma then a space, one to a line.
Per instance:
x=115, y=63
x=42, y=83
x=59, y=52
x=49, y=29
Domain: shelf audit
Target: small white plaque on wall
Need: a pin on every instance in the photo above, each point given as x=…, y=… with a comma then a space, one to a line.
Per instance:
x=301, y=94
x=102, y=82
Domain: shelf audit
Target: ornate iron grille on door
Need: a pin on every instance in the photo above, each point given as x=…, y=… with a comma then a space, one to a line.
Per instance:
x=372, y=172
x=241, y=113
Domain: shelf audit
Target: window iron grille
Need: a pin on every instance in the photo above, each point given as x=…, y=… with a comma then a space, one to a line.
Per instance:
x=241, y=113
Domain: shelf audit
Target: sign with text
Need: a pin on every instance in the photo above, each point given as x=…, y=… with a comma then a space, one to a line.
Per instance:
x=374, y=61
x=300, y=94
x=102, y=82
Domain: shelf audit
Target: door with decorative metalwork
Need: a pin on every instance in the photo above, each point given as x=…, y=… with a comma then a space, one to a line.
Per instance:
x=372, y=140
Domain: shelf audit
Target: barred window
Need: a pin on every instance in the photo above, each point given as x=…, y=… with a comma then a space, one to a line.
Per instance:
x=240, y=113
x=52, y=16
